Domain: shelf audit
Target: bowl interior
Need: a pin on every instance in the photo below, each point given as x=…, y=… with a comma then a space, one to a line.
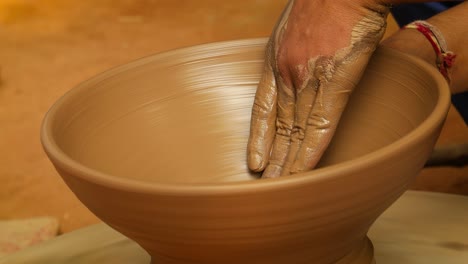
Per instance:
x=183, y=116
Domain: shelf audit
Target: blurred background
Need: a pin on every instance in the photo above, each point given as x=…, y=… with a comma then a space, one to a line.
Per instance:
x=49, y=46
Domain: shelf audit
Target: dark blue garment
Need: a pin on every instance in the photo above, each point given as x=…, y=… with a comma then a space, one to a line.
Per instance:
x=407, y=13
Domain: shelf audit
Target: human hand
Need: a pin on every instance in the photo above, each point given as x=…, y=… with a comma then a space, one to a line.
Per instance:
x=315, y=57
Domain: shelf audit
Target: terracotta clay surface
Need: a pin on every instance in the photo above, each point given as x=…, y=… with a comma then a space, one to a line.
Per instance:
x=79, y=39
x=157, y=149
x=407, y=233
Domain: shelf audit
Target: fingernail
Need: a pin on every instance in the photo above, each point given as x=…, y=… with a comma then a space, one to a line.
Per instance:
x=296, y=168
x=272, y=171
x=255, y=162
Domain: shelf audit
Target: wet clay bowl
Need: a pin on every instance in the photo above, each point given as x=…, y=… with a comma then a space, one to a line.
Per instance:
x=157, y=150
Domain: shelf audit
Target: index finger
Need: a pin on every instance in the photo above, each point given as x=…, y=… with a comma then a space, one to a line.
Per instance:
x=262, y=125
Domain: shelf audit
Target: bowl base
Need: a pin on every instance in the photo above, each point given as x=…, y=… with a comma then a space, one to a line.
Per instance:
x=361, y=255
x=364, y=254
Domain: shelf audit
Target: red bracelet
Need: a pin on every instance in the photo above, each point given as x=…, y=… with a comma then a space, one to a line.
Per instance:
x=445, y=59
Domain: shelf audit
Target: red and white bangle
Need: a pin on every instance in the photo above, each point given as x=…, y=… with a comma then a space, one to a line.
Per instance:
x=444, y=58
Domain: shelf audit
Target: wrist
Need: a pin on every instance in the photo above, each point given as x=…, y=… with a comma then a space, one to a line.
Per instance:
x=416, y=43
x=411, y=42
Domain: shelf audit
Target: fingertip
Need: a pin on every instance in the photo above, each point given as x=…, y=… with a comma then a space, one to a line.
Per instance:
x=296, y=170
x=297, y=166
x=304, y=164
x=272, y=171
x=256, y=162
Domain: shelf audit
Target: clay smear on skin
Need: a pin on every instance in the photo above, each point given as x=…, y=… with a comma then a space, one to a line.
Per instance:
x=364, y=38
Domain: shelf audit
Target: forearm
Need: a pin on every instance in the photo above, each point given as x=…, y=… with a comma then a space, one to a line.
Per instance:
x=452, y=24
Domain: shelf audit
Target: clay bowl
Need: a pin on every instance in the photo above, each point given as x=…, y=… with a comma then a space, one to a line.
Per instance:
x=157, y=150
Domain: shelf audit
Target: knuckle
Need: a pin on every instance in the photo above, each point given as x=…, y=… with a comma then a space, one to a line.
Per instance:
x=298, y=133
x=283, y=128
x=318, y=121
x=283, y=132
x=260, y=110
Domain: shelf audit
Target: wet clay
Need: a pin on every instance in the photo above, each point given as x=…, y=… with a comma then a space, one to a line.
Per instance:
x=306, y=86
x=157, y=150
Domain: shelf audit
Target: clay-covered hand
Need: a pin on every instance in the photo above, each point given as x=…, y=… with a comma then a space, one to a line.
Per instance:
x=314, y=59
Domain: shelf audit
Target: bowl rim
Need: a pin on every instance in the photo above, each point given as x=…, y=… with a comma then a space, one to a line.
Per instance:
x=65, y=163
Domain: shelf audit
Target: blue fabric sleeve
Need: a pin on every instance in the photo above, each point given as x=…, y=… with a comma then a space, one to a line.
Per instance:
x=407, y=13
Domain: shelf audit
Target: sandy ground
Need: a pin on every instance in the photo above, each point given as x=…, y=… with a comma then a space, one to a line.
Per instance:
x=48, y=46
